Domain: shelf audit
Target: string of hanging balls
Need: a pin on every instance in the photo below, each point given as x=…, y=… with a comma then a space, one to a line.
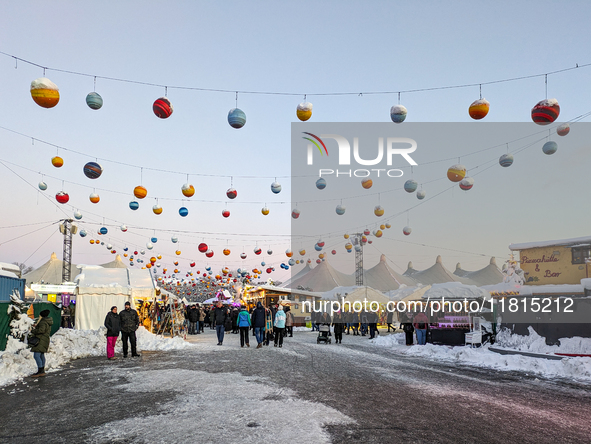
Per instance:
x=46, y=94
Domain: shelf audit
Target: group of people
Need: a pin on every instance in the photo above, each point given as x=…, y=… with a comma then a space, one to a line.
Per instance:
x=419, y=324
x=195, y=317
x=361, y=323
x=126, y=323
x=269, y=324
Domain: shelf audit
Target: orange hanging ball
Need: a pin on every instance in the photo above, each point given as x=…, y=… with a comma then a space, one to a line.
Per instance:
x=44, y=92
x=479, y=109
x=57, y=161
x=188, y=190
x=140, y=192
x=94, y=198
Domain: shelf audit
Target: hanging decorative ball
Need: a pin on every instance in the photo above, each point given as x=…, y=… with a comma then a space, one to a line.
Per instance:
x=183, y=211
x=243, y=255
x=388, y=225
x=334, y=252
x=226, y=213
x=57, y=161
x=467, y=183
x=550, y=147
x=304, y=111
x=455, y=173
x=479, y=109
x=174, y=240
x=83, y=233
x=410, y=186
x=236, y=118
x=378, y=233
x=321, y=256
x=226, y=251
x=140, y=192
x=177, y=252
x=398, y=113
x=364, y=238
x=407, y=231
x=257, y=251
x=295, y=213
x=288, y=253
x=276, y=187
x=506, y=160
x=265, y=211
x=94, y=198
x=94, y=100
x=77, y=215
x=340, y=209
x=367, y=183
x=92, y=241
x=269, y=252
x=103, y=230
x=149, y=245
x=382, y=227
x=321, y=183
x=42, y=186
x=320, y=243
x=188, y=190
x=545, y=111
x=563, y=129
x=153, y=260
x=357, y=247
x=378, y=211
x=162, y=108
x=62, y=197
x=203, y=247
x=421, y=194
x=93, y=170
x=302, y=252
x=348, y=246
x=231, y=193
x=134, y=205
x=317, y=247
x=44, y=92
x=346, y=236
x=109, y=247
x=123, y=228
x=291, y=262
x=366, y=232
x=157, y=209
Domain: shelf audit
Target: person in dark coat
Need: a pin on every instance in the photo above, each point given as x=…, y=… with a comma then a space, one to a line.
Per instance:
x=41, y=330
x=220, y=316
x=234, y=317
x=407, y=328
x=372, y=318
x=389, y=319
x=193, y=316
x=113, y=324
x=130, y=322
x=338, y=323
x=258, y=323
x=355, y=323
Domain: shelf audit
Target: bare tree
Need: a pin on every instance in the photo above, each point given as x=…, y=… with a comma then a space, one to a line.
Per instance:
x=23, y=267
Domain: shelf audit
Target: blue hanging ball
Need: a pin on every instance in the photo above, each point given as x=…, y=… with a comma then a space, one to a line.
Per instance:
x=550, y=147
x=126, y=249
x=506, y=160
x=103, y=230
x=276, y=188
x=317, y=247
x=94, y=100
x=92, y=170
x=410, y=186
x=183, y=211
x=83, y=233
x=134, y=205
x=292, y=262
x=236, y=118
x=154, y=240
x=321, y=184
x=262, y=264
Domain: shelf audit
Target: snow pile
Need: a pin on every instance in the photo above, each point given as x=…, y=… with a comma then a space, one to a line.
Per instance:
x=571, y=368
x=66, y=344
x=243, y=410
x=534, y=343
x=302, y=329
x=451, y=290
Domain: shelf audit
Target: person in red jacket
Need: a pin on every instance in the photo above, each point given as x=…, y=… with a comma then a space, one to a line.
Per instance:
x=420, y=322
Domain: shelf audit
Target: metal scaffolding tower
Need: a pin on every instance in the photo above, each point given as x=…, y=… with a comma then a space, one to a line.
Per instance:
x=67, y=229
x=358, y=245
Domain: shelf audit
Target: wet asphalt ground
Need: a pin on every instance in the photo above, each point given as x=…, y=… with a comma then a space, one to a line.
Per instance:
x=391, y=398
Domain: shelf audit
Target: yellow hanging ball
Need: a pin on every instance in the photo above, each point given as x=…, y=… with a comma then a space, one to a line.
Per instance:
x=45, y=93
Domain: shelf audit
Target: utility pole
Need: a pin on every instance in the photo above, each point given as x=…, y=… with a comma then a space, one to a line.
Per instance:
x=67, y=229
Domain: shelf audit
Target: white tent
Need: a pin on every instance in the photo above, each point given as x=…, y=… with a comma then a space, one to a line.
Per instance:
x=98, y=289
x=367, y=293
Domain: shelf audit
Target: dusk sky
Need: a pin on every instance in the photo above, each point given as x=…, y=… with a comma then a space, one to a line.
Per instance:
x=301, y=48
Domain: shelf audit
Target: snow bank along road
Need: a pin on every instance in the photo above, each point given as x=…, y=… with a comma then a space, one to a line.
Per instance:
x=301, y=393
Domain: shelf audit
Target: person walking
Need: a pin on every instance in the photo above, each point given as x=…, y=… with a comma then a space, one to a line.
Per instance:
x=41, y=330
x=355, y=323
x=407, y=328
x=113, y=324
x=289, y=319
x=258, y=322
x=389, y=319
x=212, y=318
x=421, y=323
x=372, y=317
x=201, y=318
x=279, y=325
x=193, y=317
x=338, y=322
x=130, y=322
x=268, y=326
x=235, y=320
x=243, y=323
x=220, y=315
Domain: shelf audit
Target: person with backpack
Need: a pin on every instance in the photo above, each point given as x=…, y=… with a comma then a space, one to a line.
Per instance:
x=279, y=325
x=113, y=324
x=243, y=323
x=407, y=328
x=258, y=321
x=421, y=323
x=41, y=331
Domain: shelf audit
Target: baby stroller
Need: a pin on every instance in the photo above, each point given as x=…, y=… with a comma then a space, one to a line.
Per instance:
x=323, y=334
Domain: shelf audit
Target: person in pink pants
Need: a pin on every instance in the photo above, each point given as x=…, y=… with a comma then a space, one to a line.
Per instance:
x=113, y=324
